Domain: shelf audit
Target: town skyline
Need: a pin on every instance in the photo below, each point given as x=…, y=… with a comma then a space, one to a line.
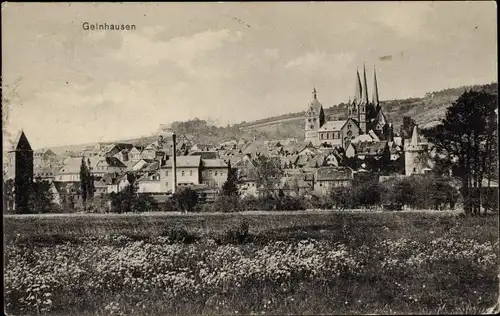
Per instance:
x=237, y=63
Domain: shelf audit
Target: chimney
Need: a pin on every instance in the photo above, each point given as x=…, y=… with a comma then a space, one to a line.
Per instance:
x=174, y=165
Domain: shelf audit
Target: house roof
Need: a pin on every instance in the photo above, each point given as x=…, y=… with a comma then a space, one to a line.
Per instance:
x=111, y=162
x=147, y=176
x=214, y=163
x=99, y=184
x=45, y=169
x=334, y=174
x=205, y=154
x=302, y=180
x=71, y=166
x=333, y=125
x=373, y=148
x=257, y=148
x=184, y=161
x=362, y=139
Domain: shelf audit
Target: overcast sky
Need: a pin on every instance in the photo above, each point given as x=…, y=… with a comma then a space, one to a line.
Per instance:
x=226, y=61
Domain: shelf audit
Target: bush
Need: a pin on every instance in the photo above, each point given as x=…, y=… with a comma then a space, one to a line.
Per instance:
x=186, y=199
x=236, y=235
x=170, y=205
x=178, y=235
x=225, y=204
x=292, y=203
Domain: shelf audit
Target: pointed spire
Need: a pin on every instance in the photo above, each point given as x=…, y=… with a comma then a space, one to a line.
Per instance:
x=375, y=99
x=21, y=142
x=314, y=93
x=357, y=91
x=365, y=87
x=414, y=136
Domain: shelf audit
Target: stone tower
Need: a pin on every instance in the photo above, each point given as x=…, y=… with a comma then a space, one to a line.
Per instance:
x=415, y=155
x=20, y=169
x=314, y=119
x=353, y=107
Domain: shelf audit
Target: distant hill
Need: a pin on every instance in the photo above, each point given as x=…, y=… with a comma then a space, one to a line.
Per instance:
x=427, y=109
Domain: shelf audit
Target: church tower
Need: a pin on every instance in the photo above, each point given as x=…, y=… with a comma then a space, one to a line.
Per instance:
x=20, y=169
x=314, y=119
x=353, y=106
x=364, y=104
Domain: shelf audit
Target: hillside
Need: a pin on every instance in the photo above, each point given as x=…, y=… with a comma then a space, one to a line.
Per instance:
x=427, y=109
x=424, y=110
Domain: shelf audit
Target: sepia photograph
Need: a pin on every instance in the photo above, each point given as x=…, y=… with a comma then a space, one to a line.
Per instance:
x=250, y=158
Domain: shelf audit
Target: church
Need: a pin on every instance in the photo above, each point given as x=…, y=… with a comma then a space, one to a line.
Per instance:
x=363, y=118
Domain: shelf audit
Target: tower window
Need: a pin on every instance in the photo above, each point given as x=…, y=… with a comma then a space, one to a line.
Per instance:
x=348, y=126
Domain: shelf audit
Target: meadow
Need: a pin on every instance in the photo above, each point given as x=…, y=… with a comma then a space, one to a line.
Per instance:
x=309, y=262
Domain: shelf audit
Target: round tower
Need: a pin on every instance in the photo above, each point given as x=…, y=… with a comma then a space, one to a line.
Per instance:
x=415, y=155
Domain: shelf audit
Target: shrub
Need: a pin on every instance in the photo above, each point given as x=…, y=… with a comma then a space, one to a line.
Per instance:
x=178, y=235
x=225, y=204
x=236, y=235
x=186, y=199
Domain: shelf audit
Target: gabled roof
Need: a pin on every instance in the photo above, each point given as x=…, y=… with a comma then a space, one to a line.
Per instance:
x=148, y=176
x=373, y=148
x=362, y=139
x=214, y=163
x=334, y=174
x=111, y=162
x=302, y=180
x=184, y=161
x=205, y=154
x=71, y=166
x=333, y=125
x=43, y=151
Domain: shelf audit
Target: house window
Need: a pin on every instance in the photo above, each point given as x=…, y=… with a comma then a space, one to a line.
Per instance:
x=322, y=136
x=190, y=172
x=311, y=127
x=215, y=173
x=166, y=172
x=182, y=173
x=348, y=126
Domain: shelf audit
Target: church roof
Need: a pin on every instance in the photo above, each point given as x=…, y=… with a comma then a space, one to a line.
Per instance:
x=333, y=125
x=315, y=104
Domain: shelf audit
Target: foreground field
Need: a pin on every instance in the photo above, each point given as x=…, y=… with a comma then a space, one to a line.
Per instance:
x=307, y=263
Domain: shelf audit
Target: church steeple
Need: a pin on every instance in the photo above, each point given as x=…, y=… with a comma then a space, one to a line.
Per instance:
x=358, y=89
x=365, y=87
x=375, y=99
x=315, y=94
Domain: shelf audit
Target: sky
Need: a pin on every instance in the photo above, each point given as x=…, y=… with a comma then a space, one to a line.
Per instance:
x=225, y=62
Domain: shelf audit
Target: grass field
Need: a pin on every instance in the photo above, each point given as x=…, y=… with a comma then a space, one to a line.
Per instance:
x=310, y=262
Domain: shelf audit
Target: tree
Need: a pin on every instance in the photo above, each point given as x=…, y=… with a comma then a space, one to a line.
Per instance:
x=40, y=198
x=463, y=141
x=407, y=127
x=230, y=187
x=268, y=174
x=8, y=196
x=186, y=199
